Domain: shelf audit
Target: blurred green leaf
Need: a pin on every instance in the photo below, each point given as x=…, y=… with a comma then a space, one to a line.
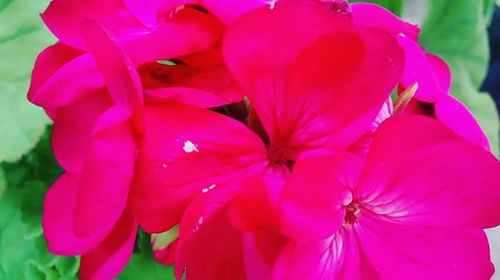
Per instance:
x=22, y=37
x=31, y=207
x=3, y=183
x=457, y=33
x=23, y=250
x=143, y=264
x=395, y=6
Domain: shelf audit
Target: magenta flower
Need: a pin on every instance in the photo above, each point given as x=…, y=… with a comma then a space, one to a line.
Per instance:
x=414, y=209
x=184, y=32
x=265, y=131
x=196, y=164
x=86, y=209
x=433, y=95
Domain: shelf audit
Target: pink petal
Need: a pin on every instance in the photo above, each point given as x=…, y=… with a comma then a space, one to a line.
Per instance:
x=456, y=116
x=188, y=32
x=210, y=249
x=58, y=219
x=122, y=80
x=166, y=255
x=146, y=11
x=371, y=15
x=107, y=174
x=420, y=172
x=261, y=249
x=48, y=62
x=442, y=71
x=415, y=252
x=229, y=10
x=186, y=150
x=318, y=211
x=110, y=257
x=73, y=126
x=225, y=10
x=61, y=88
x=254, y=53
x=325, y=79
x=191, y=85
x=63, y=18
x=418, y=69
x=252, y=207
x=337, y=257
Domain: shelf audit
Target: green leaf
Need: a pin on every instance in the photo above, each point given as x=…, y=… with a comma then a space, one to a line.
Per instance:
x=143, y=266
x=3, y=182
x=31, y=207
x=22, y=37
x=23, y=250
x=457, y=33
x=395, y=6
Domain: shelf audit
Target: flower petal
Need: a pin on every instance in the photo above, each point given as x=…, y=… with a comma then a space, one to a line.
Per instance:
x=415, y=252
x=122, y=80
x=420, y=172
x=110, y=257
x=337, y=257
x=316, y=194
x=186, y=150
x=371, y=15
x=63, y=18
x=419, y=69
x=230, y=10
x=456, y=116
x=254, y=53
x=61, y=88
x=318, y=109
x=73, y=126
x=107, y=174
x=48, y=62
x=190, y=84
x=212, y=249
x=147, y=11
x=442, y=71
x=189, y=31
x=58, y=219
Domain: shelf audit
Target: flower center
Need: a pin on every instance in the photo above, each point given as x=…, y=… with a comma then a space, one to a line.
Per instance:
x=279, y=154
x=353, y=210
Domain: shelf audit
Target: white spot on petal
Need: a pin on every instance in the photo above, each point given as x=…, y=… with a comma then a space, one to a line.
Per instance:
x=190, y=147
x=198, y=224
x=271, y=3
x=209, y=188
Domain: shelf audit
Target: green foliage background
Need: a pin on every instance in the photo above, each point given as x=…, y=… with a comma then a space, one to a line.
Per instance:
x=454, y=30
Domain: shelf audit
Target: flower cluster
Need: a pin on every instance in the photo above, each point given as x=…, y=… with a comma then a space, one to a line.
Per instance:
x=292, y=139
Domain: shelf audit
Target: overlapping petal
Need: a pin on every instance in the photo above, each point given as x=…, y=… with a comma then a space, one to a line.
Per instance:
x=184, y=150
x=424, y=176
x=371, y=15
x=64, y=17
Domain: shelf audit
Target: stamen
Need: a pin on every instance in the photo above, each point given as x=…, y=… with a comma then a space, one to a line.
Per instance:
x=404, y=99
x=352, y=213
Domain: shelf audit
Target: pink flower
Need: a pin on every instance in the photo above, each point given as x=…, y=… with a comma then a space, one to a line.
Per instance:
x=195, y=165
x=183, y=33
x=429, y=72
x=315, y=174
x=433, y=95
x=414, y=209
x=85, y=211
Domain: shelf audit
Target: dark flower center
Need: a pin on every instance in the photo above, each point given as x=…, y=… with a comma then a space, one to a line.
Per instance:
x=353, y=210
x=280, y=154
